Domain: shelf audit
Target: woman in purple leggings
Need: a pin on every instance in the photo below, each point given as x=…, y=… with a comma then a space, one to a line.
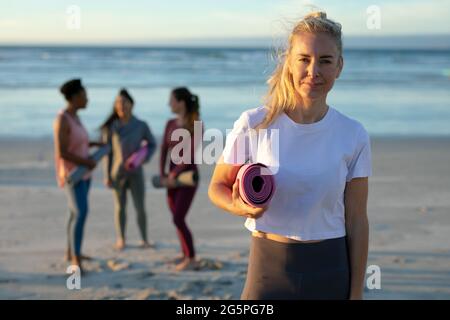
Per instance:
x=186, y=106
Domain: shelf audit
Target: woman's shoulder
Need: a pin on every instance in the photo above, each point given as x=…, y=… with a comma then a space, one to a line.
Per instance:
x=60, y=116
x=61, y=120
x=252, y=117
x=171, y=122
x=140, y=121
x=348, y=123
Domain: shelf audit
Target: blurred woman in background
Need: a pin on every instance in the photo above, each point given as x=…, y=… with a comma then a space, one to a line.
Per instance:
x=185, y=106
x=71, y=150
x=126, y=134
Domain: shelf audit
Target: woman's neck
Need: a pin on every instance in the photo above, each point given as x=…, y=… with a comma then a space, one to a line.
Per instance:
x=309, y=111
x=181, y=119
x=71, y=110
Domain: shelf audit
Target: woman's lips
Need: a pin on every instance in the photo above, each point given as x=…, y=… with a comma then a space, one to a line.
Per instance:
x=312, y=85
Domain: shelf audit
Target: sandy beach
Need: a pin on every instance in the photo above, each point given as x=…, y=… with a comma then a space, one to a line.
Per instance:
x=409, y=205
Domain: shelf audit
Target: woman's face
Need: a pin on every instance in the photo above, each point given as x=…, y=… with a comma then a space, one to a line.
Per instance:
x=176, y=106
x=80, y=99
x=123, y=107
x=314, y=63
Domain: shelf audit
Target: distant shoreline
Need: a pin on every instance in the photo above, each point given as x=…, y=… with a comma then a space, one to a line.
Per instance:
x=357, y=42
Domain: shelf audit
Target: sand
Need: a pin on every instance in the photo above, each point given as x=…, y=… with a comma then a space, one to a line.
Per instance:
x=409, y=213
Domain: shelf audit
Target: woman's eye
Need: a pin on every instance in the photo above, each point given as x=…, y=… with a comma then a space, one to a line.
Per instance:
x=303, y=60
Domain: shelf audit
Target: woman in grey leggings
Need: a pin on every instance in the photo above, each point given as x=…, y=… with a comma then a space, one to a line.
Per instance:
x=126, y=134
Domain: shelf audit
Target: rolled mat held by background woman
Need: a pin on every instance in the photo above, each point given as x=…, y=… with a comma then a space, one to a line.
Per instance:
x=256, y=184
x=78, y=172
x=137, y=158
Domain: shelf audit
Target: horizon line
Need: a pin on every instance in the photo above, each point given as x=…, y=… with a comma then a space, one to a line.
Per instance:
x=352, y=41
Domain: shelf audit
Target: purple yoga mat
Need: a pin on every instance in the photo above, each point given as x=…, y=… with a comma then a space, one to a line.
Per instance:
x=136, y=159
x=256, y=184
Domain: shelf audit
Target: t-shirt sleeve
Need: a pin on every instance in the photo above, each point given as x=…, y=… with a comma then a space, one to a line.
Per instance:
x=237, y=145
x=361, y=163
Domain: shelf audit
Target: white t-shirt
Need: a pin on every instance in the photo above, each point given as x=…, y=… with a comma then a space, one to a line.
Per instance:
x=311, y=165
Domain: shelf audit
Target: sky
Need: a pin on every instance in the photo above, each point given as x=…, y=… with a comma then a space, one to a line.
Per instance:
x=146, y=22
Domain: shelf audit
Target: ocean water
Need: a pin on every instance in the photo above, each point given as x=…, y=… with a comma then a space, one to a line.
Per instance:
x=391, y=92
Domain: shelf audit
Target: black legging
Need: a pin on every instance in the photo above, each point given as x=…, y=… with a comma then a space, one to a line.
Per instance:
x=297, y=270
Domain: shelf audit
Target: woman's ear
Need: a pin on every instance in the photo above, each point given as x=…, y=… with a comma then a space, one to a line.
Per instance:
x=340, y=66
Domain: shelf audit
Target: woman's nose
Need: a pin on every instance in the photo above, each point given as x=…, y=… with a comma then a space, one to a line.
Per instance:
x=313, y=69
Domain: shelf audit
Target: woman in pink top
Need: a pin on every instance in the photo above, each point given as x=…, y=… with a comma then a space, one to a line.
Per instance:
x=72, y=150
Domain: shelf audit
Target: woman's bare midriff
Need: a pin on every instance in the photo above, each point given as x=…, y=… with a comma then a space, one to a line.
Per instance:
x=278, y=238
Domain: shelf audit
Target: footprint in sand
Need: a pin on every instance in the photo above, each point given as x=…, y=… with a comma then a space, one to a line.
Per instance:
x=399, y=260
x=147, y=294
x=6, y=281
x=209, y=264
x=117, y=265
x=192, y=287
x=174, y=295
x=93, y=266
x=223, y=282
x=144, y=275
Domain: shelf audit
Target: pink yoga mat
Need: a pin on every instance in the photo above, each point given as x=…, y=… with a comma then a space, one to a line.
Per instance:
x=256, y=184
x=136, y=159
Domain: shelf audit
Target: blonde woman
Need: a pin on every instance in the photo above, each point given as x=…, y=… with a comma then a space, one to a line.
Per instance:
x=311, y=241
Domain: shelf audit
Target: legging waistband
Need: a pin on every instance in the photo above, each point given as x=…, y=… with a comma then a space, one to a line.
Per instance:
x=329, y=254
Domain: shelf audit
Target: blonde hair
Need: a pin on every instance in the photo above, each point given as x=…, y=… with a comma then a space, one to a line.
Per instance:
x=281, y=92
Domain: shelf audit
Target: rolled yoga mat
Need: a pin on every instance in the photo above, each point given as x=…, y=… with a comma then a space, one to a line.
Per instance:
x=184, y=179
x=78, y=172
x=256, y=184
x=137, y=158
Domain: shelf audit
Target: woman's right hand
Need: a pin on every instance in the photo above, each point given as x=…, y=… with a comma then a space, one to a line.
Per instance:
x=108, y=183
x=241, y=207
x=90, y=164
x=168, y=181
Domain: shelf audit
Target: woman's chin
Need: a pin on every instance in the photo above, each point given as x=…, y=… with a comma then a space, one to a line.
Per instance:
x=311, y=95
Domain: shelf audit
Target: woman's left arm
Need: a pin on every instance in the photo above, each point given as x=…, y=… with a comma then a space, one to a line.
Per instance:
x=151, y=143
x=357, y=229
